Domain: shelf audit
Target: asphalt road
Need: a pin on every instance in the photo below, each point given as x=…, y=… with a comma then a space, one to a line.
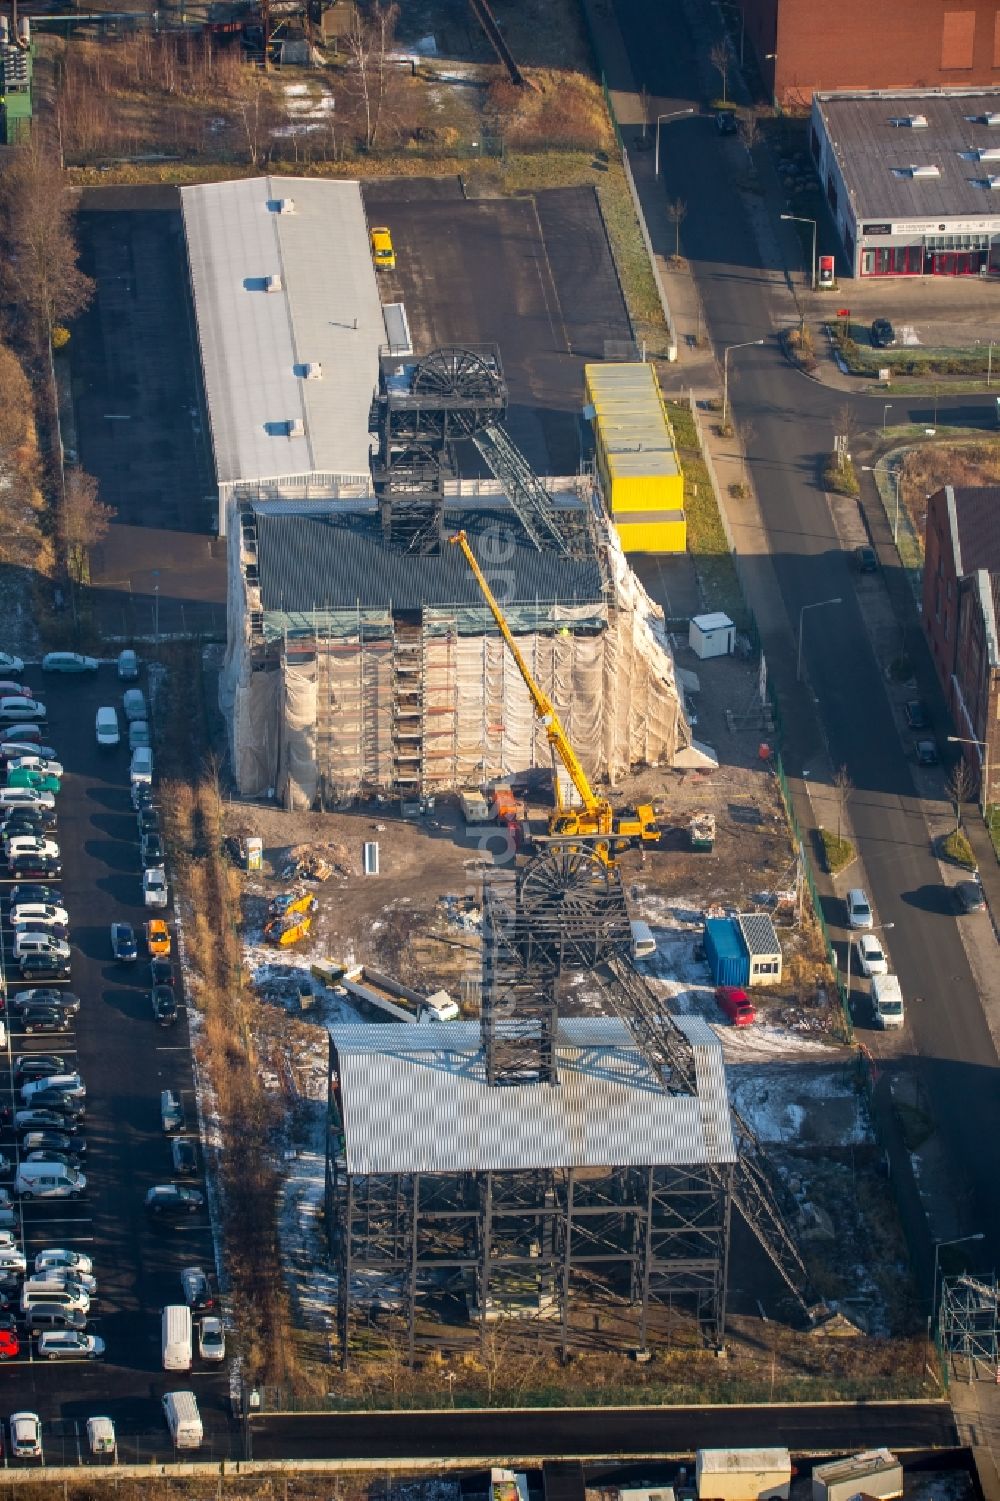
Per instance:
x=584, y=1433
x=125, y=1061
x=794, y=422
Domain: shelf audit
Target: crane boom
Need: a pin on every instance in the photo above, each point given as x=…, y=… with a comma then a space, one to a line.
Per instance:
x=543, y=705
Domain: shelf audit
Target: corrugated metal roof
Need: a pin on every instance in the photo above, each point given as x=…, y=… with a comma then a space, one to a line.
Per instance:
x=630, y=417
x=870, y=149
x=255, y=343
x=758, y=934
x=334, y=557
x=416, y=1100
x=725, y=937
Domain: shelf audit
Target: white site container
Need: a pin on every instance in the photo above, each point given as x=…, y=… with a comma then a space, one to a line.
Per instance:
x=743, y=1474
x=876, y=1472
x=711, y=635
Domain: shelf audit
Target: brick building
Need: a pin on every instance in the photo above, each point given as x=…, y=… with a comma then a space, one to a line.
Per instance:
x=895, y=44
x=960, y=610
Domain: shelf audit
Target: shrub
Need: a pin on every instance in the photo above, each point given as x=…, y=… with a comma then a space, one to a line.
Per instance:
x=958, y=850
x=60, y=337
x=837, y=851
x=841, y=478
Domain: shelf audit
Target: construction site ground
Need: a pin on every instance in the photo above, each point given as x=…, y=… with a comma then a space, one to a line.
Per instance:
x=418, y=920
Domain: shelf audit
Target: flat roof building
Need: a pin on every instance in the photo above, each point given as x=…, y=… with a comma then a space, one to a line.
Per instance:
x=289, y=324
x=912, y=178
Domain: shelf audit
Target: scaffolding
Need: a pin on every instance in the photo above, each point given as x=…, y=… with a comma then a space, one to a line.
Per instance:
x=969, y=1326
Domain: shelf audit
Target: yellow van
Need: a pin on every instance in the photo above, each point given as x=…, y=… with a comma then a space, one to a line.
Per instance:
x=382, y=252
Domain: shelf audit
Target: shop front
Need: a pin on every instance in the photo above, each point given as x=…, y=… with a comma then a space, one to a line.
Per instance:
x=929, y=250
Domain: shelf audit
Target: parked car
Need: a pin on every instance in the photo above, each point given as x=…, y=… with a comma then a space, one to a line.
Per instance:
x=871, y=956
x=106, y=726
x=123, y=944
x=917, y=714
x=148, y=821
x=68, y=1344
x=42, y=781
x=141, y=766
x=60, y=1101
x=138, y=734
x=141, y=794
x=184, y=1157
x=52, y=1143
x=21, y=732
x=43, y=967
x=157, y=936
x=37, y=1066
x=926, y=752
x=42, y=1316
x=39, y=915
x=38, y=821
x=383, y=253
x=44, y=1018
x=14, y=707
x=134, y=704
x=41, y=995
x=68, y=661
x=969, y=897
x=39, y=941
x=15, y=690
x=64, y=1260
x=726, y=122
x=33, y=760
x=154, y=887
x=36, y=1119
x=13, y=750
x=10, y=664
x=735, y=1004
x=171, y=1111
x=151, y=851
x=883, y=335
x=128, y=666
x=859, y=909
x=197, y=1292
x=866, y=558
x=211, y=1339
x=10, y=1343
x=22, y=895
x=26, y=1436
x=173, y=1201
x=39, y=867
x=164, y=1005
x=31, y=844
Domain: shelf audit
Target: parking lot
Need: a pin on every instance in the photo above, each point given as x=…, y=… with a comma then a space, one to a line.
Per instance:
x=125, y=1060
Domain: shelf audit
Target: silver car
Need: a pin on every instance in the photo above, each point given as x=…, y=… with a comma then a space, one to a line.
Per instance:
x=69, y=1344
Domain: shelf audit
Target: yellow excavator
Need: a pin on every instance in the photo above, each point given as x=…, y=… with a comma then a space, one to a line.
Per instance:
x=596, y=823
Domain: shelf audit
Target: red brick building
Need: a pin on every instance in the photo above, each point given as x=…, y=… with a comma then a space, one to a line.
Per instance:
x=961, y=607
x=855, y=44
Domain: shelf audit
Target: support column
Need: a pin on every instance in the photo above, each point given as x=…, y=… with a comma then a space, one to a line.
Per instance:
x=567, y=1261
x=486, y=1255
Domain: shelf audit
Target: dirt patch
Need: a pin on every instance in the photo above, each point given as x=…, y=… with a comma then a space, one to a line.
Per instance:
x=927, y=466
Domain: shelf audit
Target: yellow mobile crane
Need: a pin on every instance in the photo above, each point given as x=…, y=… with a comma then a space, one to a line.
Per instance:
x=596, y=822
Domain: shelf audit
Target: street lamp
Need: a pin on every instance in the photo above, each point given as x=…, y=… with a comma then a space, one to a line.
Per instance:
x=959, y=1240
x=896, y=475
x=725, y=373
x=817, y=605
x=799, y=219
x=674, y=114
x=983, y=746
x=887, y=407
x=882, y=927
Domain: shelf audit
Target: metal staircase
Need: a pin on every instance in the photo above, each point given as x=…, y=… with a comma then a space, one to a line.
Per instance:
x=522, y=487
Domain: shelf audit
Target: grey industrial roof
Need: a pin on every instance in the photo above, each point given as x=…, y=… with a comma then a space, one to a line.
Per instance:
x=332, y=556
x=758, y=934
x=871, y=150
x=416, y=1100
x=255, y=343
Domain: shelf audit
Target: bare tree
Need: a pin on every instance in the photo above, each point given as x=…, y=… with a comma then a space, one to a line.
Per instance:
x=368, y=43
x=749, y=128
x=842, y=787
x=40, y=271
x=677, y=213
x=721, y=59
x=253, y=105
x=961, y=784
x=85, y=520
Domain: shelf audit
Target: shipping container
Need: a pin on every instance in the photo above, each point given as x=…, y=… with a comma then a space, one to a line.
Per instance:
x=762, y=946
x=648, y=531
x=711, y=635
x=876, y=1472
x=743, y=1474
x=727, y=958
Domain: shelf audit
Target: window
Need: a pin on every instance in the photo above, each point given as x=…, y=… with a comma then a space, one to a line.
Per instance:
x=814, y=138
x=958, y=35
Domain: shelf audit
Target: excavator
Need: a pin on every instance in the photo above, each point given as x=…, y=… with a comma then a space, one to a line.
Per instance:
x=595, y=823
x=290, y=917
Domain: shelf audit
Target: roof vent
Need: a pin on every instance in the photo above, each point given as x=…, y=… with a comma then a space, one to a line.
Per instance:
x=272, y=283
x=992, y=183
x=287, y=205
x=926, y=169
x=991, y=117
x=988, y=154
x=910, y=122
x=296, y=427
x=312, y=371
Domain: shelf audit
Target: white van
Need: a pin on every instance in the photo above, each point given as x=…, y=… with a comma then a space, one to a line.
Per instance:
x=887, y=1001
x=141, y=769
x=643, y=942
x=107, y=726
x=176, y=1335
x=53, y=1296
x=37, y=942
x=183, y=1419
x=25, y=797
x=49, y=1180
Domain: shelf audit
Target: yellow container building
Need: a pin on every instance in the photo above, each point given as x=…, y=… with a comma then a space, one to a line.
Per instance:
x=637, y=461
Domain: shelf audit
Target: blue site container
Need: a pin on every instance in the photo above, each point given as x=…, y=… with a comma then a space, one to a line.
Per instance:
x=725, y=951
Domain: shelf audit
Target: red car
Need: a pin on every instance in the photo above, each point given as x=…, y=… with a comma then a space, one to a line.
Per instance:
x=10, y=1345
x=736, y=1004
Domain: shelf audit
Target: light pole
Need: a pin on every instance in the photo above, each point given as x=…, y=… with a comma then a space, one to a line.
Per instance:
x=800, y=219
x=882, y=927
x=983, y=746
x=674, y=114
x=959, y=1240
x=818, y=605
x=896, y=475
x=725, y=373
x=887, y=407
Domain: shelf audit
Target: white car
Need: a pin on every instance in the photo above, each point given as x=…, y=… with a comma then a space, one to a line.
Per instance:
x=871, y=956
x=859, y=909
x=13, y=1260
x=64, y=1277
x=154, y=887
x=30, y=844
x=71, y=1294
x=68, y=661
x=38, y=915
x=10, y=664
x=30, y=941
x=106, y=725
x=17, y=707
x=25, y=1435
x=69, y=1344
x=34, y=762
x=63, y=1260
x=211, y=1339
